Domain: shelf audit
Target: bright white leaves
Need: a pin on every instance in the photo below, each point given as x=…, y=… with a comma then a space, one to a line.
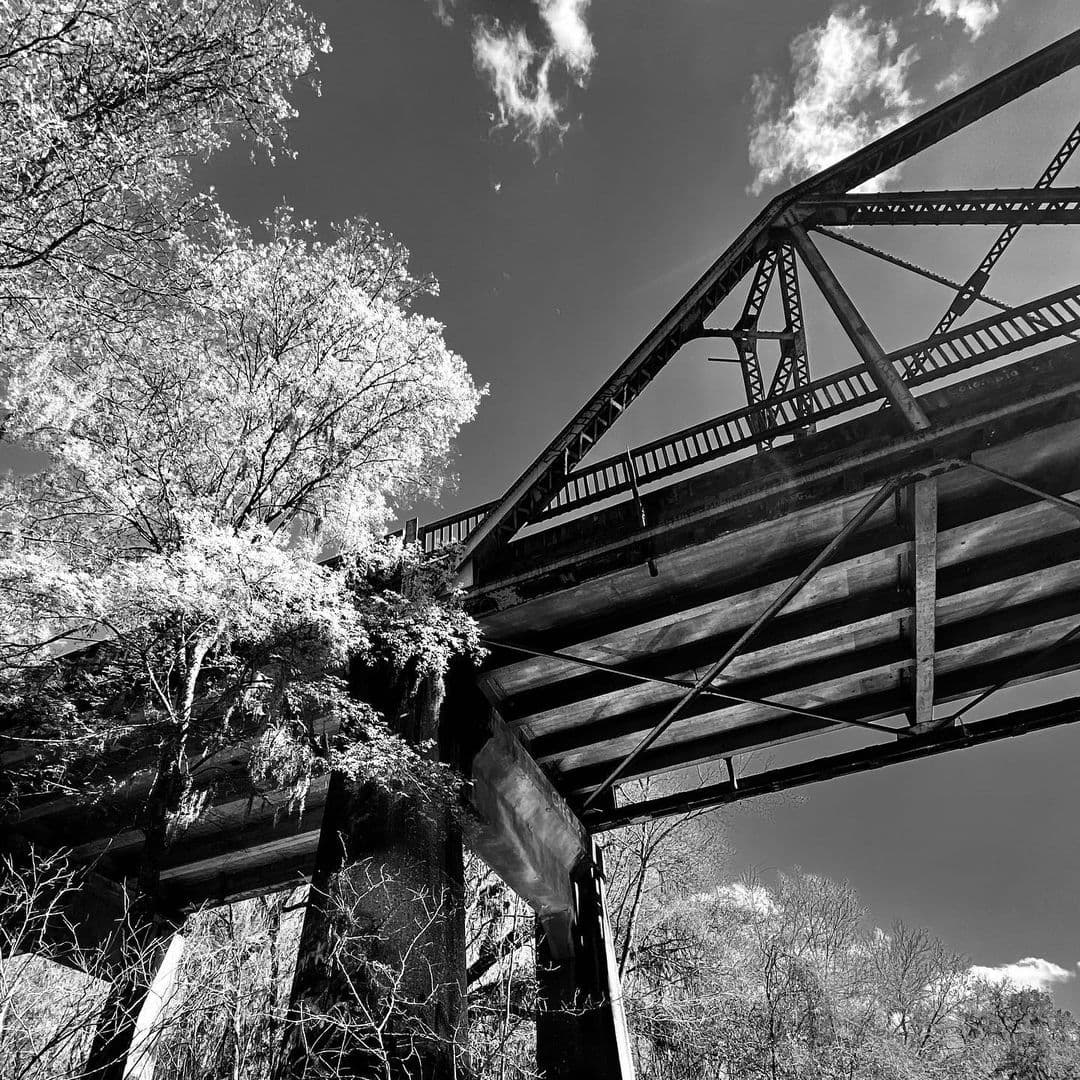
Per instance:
x=850, y=86
x=212, y=413
x=105, y=104
x=198, y=462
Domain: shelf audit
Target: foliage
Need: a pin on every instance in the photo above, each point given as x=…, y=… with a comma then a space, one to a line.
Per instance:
x=789, y=982
x=104, y=107
x=501, y=970
x=195, y=466
x=746, y=983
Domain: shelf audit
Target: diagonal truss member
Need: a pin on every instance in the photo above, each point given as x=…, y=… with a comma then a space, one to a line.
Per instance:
x=981, y=275
x=796, y=586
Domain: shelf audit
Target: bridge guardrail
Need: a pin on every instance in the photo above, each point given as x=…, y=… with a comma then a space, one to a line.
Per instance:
x=1055, y=315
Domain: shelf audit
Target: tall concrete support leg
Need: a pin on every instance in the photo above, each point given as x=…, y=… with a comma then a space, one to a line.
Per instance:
x=379, y=988
x=581, y=1024
x=129, y=1029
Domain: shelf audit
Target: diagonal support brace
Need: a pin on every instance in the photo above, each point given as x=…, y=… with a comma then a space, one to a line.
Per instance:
x=866, y=512
x=881, y=370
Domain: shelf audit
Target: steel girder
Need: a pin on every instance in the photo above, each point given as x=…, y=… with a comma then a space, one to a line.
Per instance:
x=1013, y=207
x=910, y=748
x=535, y=488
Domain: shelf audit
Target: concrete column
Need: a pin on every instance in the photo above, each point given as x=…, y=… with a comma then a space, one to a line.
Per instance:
x=129, y=1029
x=581, y=1023
x=379, y=988
x=149, y=1024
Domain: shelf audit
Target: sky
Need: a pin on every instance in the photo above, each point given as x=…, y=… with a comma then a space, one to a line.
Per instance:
x=567, y=168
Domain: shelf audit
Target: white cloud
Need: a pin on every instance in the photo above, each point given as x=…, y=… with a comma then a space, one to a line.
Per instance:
x=1031, y=973
x=976, y=15
x=950, y=83
x=520, y=80
x=570, y=37
x=444, y=11
x=520, y=72
x=849, y=87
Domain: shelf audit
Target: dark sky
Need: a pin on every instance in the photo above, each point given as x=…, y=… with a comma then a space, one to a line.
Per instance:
x=557, y=255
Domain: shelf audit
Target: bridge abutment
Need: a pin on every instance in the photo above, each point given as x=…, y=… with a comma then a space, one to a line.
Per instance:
x=129, y=1028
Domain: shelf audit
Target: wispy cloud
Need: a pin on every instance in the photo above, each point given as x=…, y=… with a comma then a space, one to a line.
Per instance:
x=520, y=72
x=976, y=15
x=1031, y=973
x=520, y=79
x=849, y=84
x=444, y=11
x=570, y=38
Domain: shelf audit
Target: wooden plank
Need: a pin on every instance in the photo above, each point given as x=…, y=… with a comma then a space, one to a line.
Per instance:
x=974, y=655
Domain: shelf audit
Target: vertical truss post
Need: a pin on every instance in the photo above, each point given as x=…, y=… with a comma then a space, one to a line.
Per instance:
x=919, y=568
x=867, y=346
x=746, y=342
x=794, y=367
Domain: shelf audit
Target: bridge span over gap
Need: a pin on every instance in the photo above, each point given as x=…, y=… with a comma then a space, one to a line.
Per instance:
x=842, y=572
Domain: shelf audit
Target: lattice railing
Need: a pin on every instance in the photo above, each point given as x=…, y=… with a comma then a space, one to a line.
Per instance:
x=1051, y=316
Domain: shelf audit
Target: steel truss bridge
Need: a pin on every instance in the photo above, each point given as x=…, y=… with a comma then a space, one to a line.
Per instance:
x=879, y=550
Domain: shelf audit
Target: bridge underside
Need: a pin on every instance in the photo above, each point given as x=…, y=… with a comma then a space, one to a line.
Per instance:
x=959, y=582
x=809, y=586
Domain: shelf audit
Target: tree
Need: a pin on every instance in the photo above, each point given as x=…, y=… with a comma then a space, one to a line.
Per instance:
x=104, y=107
x=196, y=466
x=1017, y=1033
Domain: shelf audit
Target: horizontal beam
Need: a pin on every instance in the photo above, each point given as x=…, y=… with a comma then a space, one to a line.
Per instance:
x=623, y=675
x=998, y=206
x=910, y=748
x=561, y=691
x=737, y=334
